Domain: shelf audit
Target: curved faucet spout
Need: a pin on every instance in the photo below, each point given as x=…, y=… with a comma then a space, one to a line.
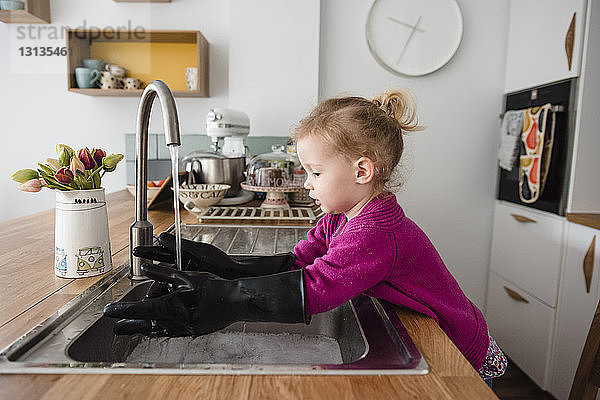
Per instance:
x=140, y=232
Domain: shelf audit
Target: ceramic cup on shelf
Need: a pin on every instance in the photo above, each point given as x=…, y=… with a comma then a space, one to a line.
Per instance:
x=191, y=77
x=81, y=237
x=116, y=70
x=86, y=77
x=93, y=63
x=131, y=83
x=109, y=81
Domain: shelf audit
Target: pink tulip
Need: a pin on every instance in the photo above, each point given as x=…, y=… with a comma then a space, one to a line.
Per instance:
x=64, y=175
x=86, y=158
x=99, y=154
x=32, y=185
x=76, y=165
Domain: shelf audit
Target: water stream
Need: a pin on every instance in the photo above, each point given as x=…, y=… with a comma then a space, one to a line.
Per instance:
x=175, y=178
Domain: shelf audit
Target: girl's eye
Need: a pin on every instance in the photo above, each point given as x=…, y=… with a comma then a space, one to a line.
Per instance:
x=316, y=173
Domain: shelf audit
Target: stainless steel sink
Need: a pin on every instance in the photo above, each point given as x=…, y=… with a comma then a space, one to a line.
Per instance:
x=362, y=336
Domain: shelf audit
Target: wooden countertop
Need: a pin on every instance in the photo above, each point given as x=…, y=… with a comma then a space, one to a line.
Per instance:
x=31, y=292
x=591, y=220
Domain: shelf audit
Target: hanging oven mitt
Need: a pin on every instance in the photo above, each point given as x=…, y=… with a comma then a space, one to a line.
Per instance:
x=510, y=137
x=535, y=152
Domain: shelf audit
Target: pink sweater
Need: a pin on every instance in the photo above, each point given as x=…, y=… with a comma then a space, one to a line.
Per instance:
x=383, y=254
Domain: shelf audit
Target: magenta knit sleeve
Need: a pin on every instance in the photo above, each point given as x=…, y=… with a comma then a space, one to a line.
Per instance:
x=354, y=262
x=315, y=245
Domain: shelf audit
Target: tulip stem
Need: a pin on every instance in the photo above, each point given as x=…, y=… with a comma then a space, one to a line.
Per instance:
x=64, y=186
x=93, y=173
x=60, y=186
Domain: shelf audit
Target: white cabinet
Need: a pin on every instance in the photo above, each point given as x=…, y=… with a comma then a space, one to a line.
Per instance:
x=537, y=35
x=576, y=305
x=542, y=262
x=522, y=326
x=526, y=249
x=523, y=284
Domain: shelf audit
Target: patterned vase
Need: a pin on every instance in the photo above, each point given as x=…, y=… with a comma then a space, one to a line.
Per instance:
x=81, y=239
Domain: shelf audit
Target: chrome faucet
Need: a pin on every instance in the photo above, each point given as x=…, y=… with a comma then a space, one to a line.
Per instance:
x=140, y=232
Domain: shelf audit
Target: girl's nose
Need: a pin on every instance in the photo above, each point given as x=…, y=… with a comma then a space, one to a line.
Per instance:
x=307, y=184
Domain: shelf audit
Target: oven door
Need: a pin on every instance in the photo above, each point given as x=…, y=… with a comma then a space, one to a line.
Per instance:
x=554, y=195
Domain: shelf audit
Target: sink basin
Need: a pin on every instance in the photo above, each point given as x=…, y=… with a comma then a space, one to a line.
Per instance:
x=362, y=336
x=331, y=338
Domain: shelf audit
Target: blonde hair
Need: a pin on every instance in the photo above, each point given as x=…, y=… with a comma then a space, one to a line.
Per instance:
x=358, y=127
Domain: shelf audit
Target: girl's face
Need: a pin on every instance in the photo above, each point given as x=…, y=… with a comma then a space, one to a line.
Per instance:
x=332, y=178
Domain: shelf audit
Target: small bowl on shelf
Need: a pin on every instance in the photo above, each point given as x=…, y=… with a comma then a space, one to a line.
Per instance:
x=151, y=191
x=203, y=195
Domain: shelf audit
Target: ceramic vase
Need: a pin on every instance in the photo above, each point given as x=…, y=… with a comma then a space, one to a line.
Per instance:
x=81, y=239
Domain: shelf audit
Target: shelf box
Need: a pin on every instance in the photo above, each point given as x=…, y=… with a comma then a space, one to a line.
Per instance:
x=146, y=55
x=35, y=12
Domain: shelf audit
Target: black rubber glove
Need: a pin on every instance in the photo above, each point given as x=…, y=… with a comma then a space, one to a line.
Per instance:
x=198, y=303
x=198, y=256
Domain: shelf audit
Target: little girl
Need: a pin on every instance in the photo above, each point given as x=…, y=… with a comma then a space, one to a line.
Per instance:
x=364, y=244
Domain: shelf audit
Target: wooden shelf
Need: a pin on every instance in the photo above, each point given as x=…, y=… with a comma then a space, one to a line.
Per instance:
x=35, y=12
x=132, y=93
x=146, y=55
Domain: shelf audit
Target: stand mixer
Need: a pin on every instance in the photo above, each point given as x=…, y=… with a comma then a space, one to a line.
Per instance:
x=231, y=125
x=225, y=164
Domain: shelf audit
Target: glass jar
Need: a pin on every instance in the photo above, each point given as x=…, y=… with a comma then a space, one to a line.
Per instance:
x=275, y=169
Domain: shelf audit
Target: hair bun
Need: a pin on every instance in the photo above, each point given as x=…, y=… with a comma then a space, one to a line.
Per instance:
x=401, y=106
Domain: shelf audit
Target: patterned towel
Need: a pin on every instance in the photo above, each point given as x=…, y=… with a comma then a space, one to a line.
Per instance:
x=512, y=126
x=535, y=151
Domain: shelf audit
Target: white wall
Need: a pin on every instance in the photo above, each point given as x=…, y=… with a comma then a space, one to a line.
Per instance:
x=274, y=62
x=451, y=189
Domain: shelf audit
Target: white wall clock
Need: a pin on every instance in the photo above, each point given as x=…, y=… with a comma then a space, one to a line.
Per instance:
x=414, y=37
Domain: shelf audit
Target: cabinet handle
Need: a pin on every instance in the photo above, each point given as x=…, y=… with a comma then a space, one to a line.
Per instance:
x=522, y=218
x=570, y=40
x=514, y=295
x=588, y=264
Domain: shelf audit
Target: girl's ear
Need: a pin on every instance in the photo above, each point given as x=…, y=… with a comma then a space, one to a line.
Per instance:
x=364, y=170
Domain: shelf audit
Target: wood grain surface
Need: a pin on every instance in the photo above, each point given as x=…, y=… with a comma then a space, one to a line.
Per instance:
x=591, y=220
x=31, y=292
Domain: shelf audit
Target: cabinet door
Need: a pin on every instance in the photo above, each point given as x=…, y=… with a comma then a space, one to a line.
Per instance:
x=522, y=326
x=576, y=305
x=536, y=42
x=527, y=249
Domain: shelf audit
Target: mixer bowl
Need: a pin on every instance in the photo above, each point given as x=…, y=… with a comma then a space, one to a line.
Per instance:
x=216, y=168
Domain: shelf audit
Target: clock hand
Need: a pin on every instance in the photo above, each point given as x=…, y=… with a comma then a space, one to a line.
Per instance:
x=414, y=29
x=404, y=23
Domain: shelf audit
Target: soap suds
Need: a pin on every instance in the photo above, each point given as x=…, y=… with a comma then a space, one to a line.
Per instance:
x=239, y=348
